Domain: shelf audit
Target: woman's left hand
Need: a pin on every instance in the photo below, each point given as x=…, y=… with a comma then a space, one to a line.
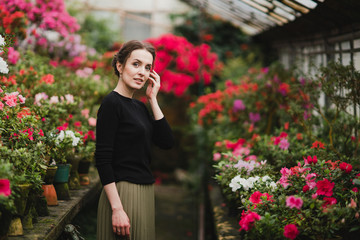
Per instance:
x=154, y=85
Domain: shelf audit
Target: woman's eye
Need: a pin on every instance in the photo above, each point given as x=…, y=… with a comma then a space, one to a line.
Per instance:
x=148, y=68
x=136, y=64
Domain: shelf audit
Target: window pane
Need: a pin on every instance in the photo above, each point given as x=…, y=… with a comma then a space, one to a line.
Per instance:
x=138, y=29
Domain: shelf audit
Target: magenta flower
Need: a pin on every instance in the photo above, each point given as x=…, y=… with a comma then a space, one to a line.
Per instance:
x=248, y=219
x=294, y=202
x=284, y=144
x=291, y=231
x=254, y=117
x=238, y=105
x=325, y=187
x=5, y=187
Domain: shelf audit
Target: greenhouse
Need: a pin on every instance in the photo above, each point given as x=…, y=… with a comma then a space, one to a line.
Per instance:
x=179, y=119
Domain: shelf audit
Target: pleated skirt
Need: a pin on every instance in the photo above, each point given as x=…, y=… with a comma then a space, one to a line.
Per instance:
x=139, y=204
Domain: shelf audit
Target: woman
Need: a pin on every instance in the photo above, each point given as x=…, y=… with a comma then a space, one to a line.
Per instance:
x=125, y=131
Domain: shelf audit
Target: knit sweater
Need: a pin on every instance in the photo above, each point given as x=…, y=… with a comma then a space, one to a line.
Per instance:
x=125, y=132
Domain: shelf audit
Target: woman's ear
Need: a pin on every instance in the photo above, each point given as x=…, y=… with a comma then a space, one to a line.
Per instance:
x=119, y=67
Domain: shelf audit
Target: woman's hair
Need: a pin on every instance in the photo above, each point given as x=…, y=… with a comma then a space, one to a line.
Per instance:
x=126, y=49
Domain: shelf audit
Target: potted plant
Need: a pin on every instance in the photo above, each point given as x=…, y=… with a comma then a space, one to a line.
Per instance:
x=63, y=143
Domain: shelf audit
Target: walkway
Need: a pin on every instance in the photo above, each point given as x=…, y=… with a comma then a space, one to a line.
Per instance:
x=176, y=215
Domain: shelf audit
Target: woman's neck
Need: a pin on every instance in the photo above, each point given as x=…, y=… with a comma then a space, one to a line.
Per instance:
x=123, y=90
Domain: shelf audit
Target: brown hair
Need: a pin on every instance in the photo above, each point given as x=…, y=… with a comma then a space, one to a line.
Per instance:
x=126, y=49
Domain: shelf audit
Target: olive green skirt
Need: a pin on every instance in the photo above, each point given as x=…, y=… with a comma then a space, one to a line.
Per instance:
x=139, y=204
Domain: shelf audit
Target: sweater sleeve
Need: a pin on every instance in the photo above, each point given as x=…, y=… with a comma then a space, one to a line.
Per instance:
x=162, y=136
x=106, y=125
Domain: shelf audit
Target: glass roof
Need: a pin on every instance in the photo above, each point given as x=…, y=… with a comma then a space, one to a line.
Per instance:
x=256, y=16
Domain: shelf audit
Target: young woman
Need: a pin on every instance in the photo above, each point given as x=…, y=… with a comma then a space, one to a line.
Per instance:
x=125, y=131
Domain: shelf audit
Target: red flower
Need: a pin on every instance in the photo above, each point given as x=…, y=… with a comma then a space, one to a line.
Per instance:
x=299, y=136
x=310, y=159
x=291, y=231
x=255, y=197
x=306, y=188
x=325, y=188
x=5, y=187
x=318, y=144
x=329, y=201
x=248, y=219
x=355, y=189
x=345, y=167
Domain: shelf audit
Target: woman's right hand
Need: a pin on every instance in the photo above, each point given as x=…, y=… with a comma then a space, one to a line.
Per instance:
x=120, y=222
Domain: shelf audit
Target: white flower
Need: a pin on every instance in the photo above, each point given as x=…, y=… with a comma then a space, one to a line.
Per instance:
x=265, y=178
x=69, y=98
x=54, y=100
x=273, y=185
x=2, y=41
x=3, y=66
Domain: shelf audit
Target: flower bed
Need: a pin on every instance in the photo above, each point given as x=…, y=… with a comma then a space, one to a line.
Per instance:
x=287, y=166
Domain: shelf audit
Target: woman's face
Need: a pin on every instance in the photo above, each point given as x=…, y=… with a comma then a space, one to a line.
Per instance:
x=137, y=69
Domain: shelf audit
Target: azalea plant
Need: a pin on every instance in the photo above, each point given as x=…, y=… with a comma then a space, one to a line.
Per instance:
x=287, y=166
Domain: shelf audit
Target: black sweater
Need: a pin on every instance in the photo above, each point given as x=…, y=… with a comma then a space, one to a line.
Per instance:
x=125, y=132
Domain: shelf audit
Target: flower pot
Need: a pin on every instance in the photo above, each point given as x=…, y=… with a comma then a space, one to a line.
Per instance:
x=50, y=174
x=62, y=173
x=61, y=182
x=41, y=206
x=5, y=219
x=50, y=194
x=74, y=180
x=21, y=200
x=84, y=166
x=15, y=228
x=62, y=191
x=83, y=170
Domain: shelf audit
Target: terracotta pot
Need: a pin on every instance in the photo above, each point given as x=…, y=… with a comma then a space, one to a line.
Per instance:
x=50, y=194
x=84, y=179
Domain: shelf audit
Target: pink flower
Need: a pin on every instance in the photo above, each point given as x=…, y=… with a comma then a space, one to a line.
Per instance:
x=294, y=202
x=85, y=112
x=325, y=187
x=310, y=180
x=11, y=99
x=5, y=187
x=92, y=121
x=1, y=106
x=355, y=189
x=13, y=55
x=291, y=231
x=21, y=99
x=284, y=144
x=248, y=219
x=217, y=156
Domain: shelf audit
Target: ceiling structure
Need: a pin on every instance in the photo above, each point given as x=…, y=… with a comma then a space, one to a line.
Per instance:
x=256, y=16
x=275, y=19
